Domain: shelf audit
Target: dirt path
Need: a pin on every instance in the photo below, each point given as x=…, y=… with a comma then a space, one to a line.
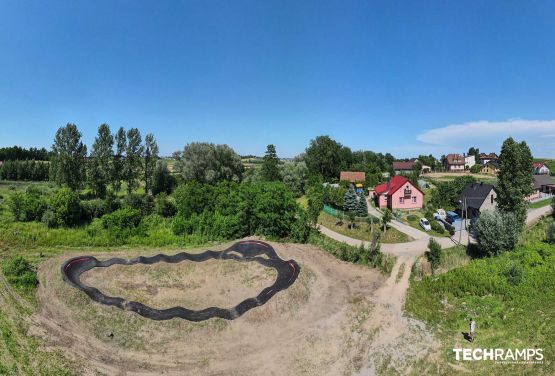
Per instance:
x=399, y=341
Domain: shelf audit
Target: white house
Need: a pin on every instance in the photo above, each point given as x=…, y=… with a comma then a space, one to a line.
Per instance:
x=541, y=169
x=469, y=161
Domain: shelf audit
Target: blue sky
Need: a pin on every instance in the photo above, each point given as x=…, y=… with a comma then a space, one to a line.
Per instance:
x=406, y=77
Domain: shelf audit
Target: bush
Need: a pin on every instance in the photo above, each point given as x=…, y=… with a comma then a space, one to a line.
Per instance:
x=19, y=273
x=143, y=203
x=28, y=206
x=64, y=208
x=300, y=231
x=496, y=232
x=434, y=254
x=165, y=206
x=122, y=219
x=412, y=218
x=94, y=208
x=550, y=233
x=437, y=227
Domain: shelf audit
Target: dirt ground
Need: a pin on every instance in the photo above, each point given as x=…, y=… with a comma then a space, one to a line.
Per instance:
x=323, y=324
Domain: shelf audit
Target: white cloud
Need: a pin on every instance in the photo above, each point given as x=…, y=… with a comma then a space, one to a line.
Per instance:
x=489, y=135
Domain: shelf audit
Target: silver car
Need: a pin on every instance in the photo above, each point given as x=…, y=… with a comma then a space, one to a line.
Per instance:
x=425, y=224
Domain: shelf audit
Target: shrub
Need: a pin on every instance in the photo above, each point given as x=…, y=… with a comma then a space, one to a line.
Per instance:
x=300, y=231
x=143, y=203
x=514, y=273
x=550, y=233
x=437, y=227
x=19, y=273
x=496, y=232
x=434, y=254
x=122, y=219
x=64, y=208
x=165, y=206
x=28, y=206
x=412, y=218
x=94, y=208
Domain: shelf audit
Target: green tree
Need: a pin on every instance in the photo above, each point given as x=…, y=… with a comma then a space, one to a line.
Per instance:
x=294, y=175
x=162, y=181
x=496, y=232
x=514, y=181
x=362, y=206
x=67, y=165
x=150, y=159
x=119, y=159
x=133, y=159
x=386, y=218
x=315, y=198
x=323, y=157
x=270, y=165
x=434, y=254
x=100, y=168
x=350, y=202
x=209, y=163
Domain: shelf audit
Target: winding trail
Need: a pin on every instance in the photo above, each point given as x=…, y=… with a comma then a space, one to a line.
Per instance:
x=401, y=340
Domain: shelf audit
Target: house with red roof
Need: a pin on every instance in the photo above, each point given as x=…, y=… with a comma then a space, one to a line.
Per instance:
x=399, y=193
x=541, y=169
x=454, y=163
x=352, y=176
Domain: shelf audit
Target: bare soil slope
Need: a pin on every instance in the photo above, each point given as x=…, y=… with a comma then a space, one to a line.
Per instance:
x=320, y=325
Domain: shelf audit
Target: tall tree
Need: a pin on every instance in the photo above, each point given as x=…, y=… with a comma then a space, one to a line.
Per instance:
x=67, y=165
x=133, y=159
x=350, y=202
x=150, y=159
x=362, y=206
x=270, y=165
x=102, y=161
x=323, y=156
x=209, y=163
x=514, y=179
x=119, y=161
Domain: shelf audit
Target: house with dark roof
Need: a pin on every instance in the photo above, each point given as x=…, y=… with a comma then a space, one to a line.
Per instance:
x=454, y=163
x=403, y=167
x=475, y=198
x=542, y=185
x=490, y=168
x=485, y=158
x=398, y=193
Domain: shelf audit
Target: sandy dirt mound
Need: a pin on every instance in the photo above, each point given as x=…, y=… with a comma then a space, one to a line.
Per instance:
x=317, y=326
x=212, y=283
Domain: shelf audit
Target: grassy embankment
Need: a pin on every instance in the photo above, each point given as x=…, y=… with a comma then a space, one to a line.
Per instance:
x=362, y=230
x=511, y=297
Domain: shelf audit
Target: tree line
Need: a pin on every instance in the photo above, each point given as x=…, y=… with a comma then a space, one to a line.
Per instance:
x=13, y=153
x=27, y=170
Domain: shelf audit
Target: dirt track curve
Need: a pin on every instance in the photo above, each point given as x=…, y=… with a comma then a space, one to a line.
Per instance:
x=288, y=272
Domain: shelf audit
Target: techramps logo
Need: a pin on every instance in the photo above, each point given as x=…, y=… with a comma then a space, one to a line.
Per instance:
x=500, y=356
x=244, y=251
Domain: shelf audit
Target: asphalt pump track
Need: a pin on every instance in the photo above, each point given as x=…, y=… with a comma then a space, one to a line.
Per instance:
x=245, y=251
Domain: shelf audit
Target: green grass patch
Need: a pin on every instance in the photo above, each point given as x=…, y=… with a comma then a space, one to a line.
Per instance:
x=540, y=204
x=362, y=230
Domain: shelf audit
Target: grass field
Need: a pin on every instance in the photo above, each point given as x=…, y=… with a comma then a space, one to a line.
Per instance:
x=511, y=297
x=539, y=204
x=361, y=231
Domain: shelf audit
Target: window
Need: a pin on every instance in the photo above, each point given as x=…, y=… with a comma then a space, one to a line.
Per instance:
x=492, y=199
x=414, y=199
x=401, y=200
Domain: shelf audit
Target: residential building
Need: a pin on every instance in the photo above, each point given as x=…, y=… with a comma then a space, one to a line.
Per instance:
x=543, y=185
x=454, y=163
x=490, y=168
x=469, y=161
x=541, y=169
x=352, y=176
x=398, y=193
x=485, y=158
x=403, y=167
x=475, y=198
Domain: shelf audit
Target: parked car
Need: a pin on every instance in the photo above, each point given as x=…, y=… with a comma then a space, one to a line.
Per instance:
x=425, y=224
x=440, y=214
x=452, y=217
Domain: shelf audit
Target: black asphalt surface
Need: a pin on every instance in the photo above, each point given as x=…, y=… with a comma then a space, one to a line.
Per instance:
x=247, y=251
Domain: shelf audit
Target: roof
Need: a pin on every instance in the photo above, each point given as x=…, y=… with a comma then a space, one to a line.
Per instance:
x=454, y=159
x=492, y=163
x=399, y=166
x=541, y=180
x=539, y=165
x=393, y=185
x=352, y=176
x=475, y=194
x=488, y=156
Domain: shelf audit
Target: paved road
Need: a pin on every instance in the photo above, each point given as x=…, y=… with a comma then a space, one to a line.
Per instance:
x=419, y=244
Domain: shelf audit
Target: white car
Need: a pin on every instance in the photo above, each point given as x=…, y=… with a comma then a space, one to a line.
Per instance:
x=425, y=224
